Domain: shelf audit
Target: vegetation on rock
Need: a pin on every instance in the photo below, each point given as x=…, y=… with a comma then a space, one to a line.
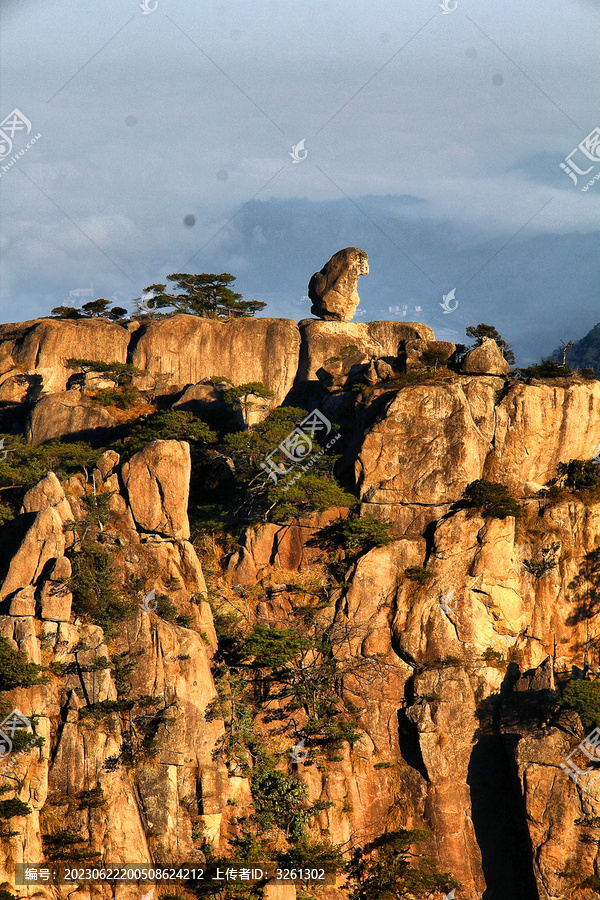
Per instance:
x=206, y=295
x=92, y=310
x=584, y=697
x=15, y=668
x=547, y=368
x=579, y=475
x=482, y=331
x=385, y=870
x=25, y=466
x=490, y=498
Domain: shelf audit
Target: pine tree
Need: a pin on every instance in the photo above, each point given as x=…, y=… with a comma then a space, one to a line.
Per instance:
x=205, y=295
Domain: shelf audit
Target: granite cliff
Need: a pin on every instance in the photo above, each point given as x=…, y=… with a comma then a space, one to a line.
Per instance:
x=450, y=641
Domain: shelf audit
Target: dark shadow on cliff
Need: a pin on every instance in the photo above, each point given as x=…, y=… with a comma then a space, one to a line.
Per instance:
x=408, y=733
x=13, y=417
x=12, y=534
x=98, y=438
x=586, y=589
x=497, y=806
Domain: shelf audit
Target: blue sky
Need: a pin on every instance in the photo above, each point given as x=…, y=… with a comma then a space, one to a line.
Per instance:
x=432, y=141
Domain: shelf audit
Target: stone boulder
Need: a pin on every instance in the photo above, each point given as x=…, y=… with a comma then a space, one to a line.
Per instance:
x=15, y=387
x=48, y=494
x=207, y=397
x=23, y=602
x=333, y=289
x=186, y=349
x=55, y=596
x=44, y=348
x=326, y=342
x=157, y=483
x=203, y=397
x=69, y=414
x=485, y=360
x=341, y=372
x=44, y=541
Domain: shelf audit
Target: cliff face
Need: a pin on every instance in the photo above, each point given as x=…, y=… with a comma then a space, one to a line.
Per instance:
x=452, y=664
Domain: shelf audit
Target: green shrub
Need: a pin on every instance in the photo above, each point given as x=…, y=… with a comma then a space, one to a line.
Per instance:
x=16, y=670
x=311, y=492
x=7, y=513
x=579, y=474
x=540, y=567
x=94, y=584
x=356, y=533
x=365, y=533
x=237, y=395
x=118, y=371
x=588, y=374
x=398, y=382
x=98, y=510
x=169, y=425
x=418, y=573
x=347, y=350
x=443, y=663
x=13, y=807
x=272, y=647
x=491, y=655
x=280, y=801
x=385, y=870
x=584, y=698
x=165, y=608
x=125, y=397
x=308, y=853
x=434, y=357
x=548, y=368
x=6, y=895
x=482, y=331
x=92, y=309
x=25, y=466
x=491, y=499
x=105, y=708
x=25, y=740
x=206, y=295
x=63, y=846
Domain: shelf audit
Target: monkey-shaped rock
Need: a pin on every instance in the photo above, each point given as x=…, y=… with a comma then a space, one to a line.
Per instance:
x=333, y=289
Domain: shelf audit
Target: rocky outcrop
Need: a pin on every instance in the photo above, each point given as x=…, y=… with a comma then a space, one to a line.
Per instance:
x=156, y=809
x=157, y=482
x=485, y=360
x=539, y=425
x=333, y=289
x=43, y=348
x=43, y=542
x=185, y=352
x=468, y=428
x=326, y=342
x=454, y=638
x=413, y=353
x=185, y=349
x=174, y=351
x=413, y=475
x=68, y=413
x=203, y=397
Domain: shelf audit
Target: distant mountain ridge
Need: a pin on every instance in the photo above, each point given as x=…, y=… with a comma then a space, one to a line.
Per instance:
x=584, y=353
